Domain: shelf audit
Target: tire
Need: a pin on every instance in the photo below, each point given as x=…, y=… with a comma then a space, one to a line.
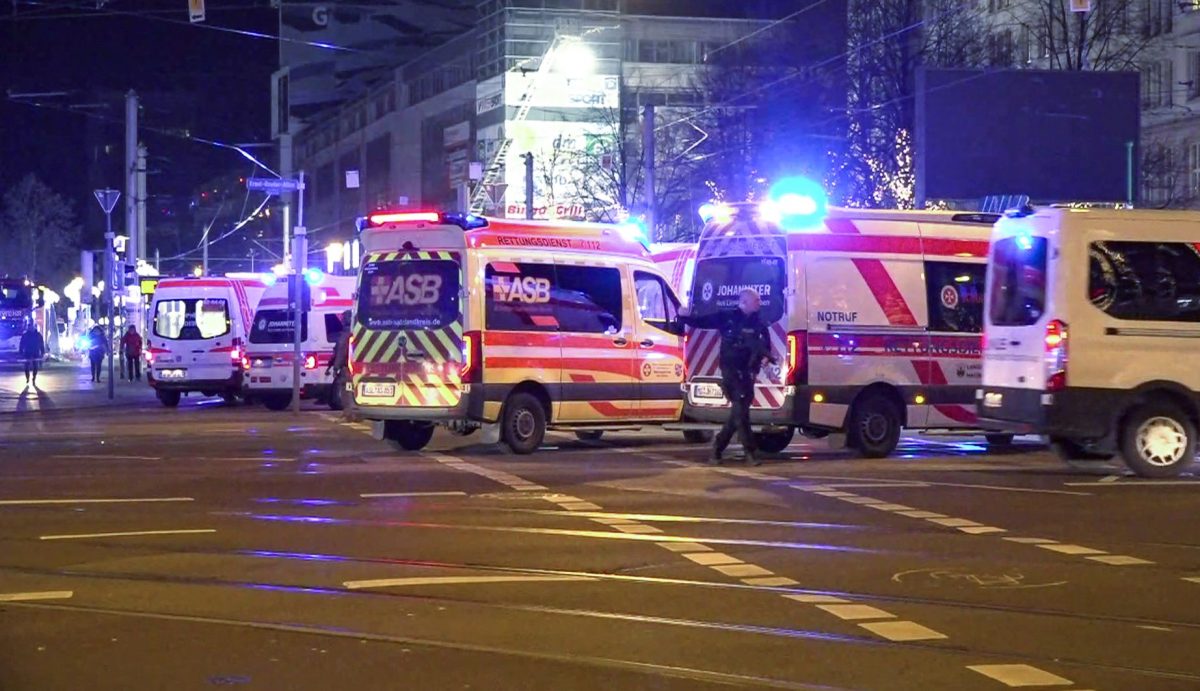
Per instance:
x=999, y=441
x=593, y=435
x=1158, y=440
x=697, y=436
x=337, y=392
x=875, y=426
x=774, y=442
x=229, y=398
x=170, y=399
x=277, y=401
x=523, y=423
x=410, y=436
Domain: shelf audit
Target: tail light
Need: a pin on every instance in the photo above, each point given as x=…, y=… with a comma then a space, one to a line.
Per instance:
x=149, y=357
x=310, y=362
x=350, y=356
x=471, y=370
x=797, y=358
x=235, y=354
x=1056, y=356
x=246, y=362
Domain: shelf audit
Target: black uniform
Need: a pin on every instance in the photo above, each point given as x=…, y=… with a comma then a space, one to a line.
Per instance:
x=32, y=349
x=744, y=344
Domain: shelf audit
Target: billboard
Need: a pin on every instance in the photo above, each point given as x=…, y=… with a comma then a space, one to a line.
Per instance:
x=1056, y=136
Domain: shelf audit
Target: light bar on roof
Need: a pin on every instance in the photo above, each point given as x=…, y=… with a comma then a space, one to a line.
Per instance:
x=405, y=217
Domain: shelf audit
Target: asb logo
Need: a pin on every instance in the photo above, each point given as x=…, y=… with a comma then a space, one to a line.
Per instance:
x=706, y=292
x=949, y=297
x=416, y=289
x=528, y=290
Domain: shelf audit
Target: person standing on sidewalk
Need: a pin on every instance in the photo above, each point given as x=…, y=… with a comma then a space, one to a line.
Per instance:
x=32, y=349
x=131, y=351
x=745, y=346
x=97, y=349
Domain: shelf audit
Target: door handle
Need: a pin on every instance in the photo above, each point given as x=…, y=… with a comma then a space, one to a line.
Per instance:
x=647, y=343
x=621, y=341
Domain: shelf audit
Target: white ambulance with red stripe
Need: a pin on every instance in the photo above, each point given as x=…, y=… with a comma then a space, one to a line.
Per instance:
x=875, y=319
x=268, y=360
x=513, y=326
x=197, y=336
x=677, y=261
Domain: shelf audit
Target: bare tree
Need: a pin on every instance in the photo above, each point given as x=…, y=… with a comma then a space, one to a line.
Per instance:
x=38, y=234
x=1165, y=177
x=1111, y=36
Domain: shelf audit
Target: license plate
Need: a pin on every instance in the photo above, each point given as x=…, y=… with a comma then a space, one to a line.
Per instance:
x=167, y=359
x=992, y=399
x=172, y=373
x=379, y=389
x=711, y=391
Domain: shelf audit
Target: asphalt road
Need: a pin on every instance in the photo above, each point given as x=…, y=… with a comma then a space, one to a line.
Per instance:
x=145, y=548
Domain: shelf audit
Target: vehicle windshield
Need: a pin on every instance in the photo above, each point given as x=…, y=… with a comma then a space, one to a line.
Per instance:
x=409, y=294
x=1017, y=293
x=719, y=283
x=191, y=319
x=16, y=297
x=276, y=326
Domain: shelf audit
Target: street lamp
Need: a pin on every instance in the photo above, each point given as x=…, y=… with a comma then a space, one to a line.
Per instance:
x=575, y=58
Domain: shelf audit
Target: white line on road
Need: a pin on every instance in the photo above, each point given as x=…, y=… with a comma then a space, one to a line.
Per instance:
x=108, y=457
x=1192, y=579
x=902, y=631
x=926, y=484
x=1020, y=675
x=131, y=533
x=383, y=495
x=456, y=580
x=1134, y=483
x=43, y=595
x=145, y=500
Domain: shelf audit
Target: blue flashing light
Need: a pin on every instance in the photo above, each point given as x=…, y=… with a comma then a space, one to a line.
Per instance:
x=269, y=279
x=715, y=211
x=795, y=204
x=1024, y=241
x=313, y=276
x=634, y=230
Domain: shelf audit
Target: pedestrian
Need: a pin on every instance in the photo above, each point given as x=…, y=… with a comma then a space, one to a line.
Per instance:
x=32, y=349
x=97, y=349
x=131, y=351
x=338, y=364
x=745, y=346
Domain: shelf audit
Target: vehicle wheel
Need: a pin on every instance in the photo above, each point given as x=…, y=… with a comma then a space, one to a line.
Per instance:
x=277, y=401
x=169, y=399
x=774, y=442
x=590, y=435
x=336, y=393
x=410, y=436
x=697, y=436
x=874, y=426
x=229, y=398
x=999, y=440
x=1158, y=440
x=523, y=423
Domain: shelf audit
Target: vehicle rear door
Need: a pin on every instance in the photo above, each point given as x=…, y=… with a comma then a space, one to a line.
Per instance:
x=196, y=333
x=659, y=348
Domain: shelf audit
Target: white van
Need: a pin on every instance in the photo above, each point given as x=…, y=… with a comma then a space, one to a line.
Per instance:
x=1092, y=323
x=198, y=332
x=513, y=326
x=268, y=360
x=875, y=320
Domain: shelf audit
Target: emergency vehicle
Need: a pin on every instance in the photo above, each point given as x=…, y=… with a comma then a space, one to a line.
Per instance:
x=268, y=359
x=677, y=261
x=1092, y=320
x=512, y=326
x=874, y=317
x=198, y=333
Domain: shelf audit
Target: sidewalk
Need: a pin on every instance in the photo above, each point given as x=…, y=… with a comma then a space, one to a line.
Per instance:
x=66, y=386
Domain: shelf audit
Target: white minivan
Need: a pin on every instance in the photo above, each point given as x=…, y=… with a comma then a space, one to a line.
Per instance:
x=1091, y=332
x=197, y=336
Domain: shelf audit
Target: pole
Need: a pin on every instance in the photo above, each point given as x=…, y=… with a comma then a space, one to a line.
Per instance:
x=131, y=176
x=648, y=156
x=157, y=261
x=1129, y=173
x=108, y=288
x=299, y=262
x=204, y=256
x=139, y=250
x=528, y=184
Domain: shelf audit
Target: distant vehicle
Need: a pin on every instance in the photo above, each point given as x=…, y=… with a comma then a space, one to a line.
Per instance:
x=198, y=334
x=268, y=360
x=17, y=307
x=875, y=319
x=677, y=261
x=513, y=326
x=1092, y=323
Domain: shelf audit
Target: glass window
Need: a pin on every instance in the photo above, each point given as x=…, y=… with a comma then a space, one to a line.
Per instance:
x=1018, y=288
x=191, y=319
x=518, y=297
x=656, y=304
x=955, y=296
x=16, y=297
x=276, y=326
x=1145, y=281
x=333, y=327
x=719, y=283
x=409, y=294
x=588, y=299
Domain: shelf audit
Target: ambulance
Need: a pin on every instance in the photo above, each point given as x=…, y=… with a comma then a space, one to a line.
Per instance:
x=511, y=326
x=875, y=319
x=268, y=360
x=198, y=333
x=677, y=261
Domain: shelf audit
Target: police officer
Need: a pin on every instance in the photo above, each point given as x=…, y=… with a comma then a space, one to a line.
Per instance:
x=745, y=346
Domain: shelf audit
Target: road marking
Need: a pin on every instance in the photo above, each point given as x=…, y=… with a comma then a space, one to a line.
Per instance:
x=1031, y=540
x=771, y=581
x=108, y=457
x=579, y=506
x=1071, y=549
x=954, y=522
x=902, y=631
x=744, y=571
x=456, y=580
x=1120, y=560
x=854, y=612
x=638, y=529
x=146, y=500
x=1192, y=579
x=384, y=495
x=711, y=558
x=43, y=595
x=891, y=507
x=131, y=533
x=684, y=546
x=1020, y=675
x=1134, y=483
x=928, y=483
x=1110, y=478
x=982, y=530
x=922, y=514
x=814, y=599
